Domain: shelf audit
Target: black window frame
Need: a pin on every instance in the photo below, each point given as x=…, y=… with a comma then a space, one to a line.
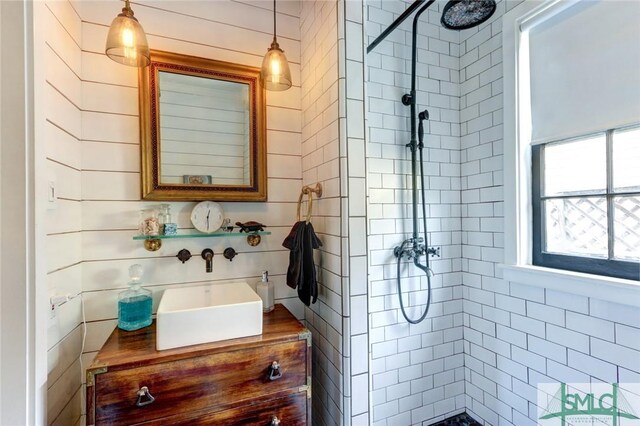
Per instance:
x=610, y=266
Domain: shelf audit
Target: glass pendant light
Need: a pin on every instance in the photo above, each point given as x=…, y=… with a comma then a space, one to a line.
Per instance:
x=275, y=69
x=126, y=42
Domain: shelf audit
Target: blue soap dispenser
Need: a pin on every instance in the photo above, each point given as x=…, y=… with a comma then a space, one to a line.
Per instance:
x=135, y=304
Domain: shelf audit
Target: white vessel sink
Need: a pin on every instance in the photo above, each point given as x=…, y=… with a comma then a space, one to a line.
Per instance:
x=208, y=313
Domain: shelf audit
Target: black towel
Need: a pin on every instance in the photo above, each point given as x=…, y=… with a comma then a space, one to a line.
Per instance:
x=301, y=273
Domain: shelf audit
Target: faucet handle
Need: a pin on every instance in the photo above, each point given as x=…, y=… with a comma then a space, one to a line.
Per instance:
x=229, y=253
x=184, y=255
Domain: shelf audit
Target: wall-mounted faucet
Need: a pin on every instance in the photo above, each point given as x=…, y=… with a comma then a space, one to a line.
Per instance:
x=207, y=255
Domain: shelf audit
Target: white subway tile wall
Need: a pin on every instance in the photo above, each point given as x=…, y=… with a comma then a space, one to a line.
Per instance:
x=354, y=187
x=417, y=370
x=518, y=336
x=320, y=163
x=333, y=154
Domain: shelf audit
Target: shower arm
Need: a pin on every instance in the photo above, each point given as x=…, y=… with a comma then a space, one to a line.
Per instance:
x=408, y=99
x=399, y=20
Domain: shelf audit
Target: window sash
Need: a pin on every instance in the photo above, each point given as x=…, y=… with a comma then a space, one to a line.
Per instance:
x=601, y=266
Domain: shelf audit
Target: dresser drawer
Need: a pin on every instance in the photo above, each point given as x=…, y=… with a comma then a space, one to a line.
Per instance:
x=290, y=411
x=210, y=382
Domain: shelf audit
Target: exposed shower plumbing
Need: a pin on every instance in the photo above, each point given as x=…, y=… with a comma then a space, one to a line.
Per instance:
x=411, y=249
x=456, y=15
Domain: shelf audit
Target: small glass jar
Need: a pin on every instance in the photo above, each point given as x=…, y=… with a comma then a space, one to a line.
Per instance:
x=149, y=223
x=164, y=216
x=167, y=225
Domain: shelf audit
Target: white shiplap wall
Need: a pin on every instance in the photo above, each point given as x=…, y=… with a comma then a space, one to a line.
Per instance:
x=416, y=370
x=93, y=151
x=62, y=142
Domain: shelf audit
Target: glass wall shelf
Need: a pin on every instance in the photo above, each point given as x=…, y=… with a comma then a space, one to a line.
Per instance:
x=196, y=234
x=154, y=242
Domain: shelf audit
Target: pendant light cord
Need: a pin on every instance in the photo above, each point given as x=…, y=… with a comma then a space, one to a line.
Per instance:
x=274, y=19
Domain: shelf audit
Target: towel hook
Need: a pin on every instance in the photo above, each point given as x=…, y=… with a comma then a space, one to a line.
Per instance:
x=309, y=191
x=317, y=189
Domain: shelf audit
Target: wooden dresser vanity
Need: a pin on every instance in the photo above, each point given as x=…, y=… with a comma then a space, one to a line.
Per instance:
x=258, y=380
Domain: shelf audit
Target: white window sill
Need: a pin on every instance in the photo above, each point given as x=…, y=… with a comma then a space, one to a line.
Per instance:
x=617, y=290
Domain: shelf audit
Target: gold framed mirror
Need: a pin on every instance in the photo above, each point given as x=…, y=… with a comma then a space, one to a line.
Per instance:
x=202, y=130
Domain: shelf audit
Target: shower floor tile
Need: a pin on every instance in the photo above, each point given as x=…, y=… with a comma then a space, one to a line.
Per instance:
x=460, y=420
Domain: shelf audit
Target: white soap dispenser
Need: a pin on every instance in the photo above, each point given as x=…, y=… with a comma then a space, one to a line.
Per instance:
x=265, y=290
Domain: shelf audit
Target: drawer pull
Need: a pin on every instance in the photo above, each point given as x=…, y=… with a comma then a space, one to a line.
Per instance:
x=144, y=393
x=274, y=372
x=275, y=421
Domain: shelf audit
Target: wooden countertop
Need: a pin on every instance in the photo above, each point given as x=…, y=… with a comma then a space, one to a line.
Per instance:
x=127, y=349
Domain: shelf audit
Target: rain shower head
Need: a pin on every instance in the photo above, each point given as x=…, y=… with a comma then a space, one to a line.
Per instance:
x=463, y=14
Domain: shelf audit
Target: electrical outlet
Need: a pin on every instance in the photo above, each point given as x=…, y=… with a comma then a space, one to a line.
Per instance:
x=54, y=303
x=59, y=300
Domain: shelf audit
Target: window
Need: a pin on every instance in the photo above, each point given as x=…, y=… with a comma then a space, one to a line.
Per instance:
x=586, y=204
x=560, y=82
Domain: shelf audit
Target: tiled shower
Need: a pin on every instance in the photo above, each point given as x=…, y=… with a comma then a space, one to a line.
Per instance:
x=417, y=371
x=487, y=343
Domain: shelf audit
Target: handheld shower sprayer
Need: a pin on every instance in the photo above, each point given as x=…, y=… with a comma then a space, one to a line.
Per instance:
x=424, y=115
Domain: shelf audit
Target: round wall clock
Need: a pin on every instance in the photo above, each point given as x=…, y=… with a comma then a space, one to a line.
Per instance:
x=207, y=216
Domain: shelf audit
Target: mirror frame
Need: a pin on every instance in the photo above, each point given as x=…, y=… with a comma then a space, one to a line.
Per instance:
x=152, y=188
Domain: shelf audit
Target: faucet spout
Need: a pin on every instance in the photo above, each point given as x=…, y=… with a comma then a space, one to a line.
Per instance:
x=207, y=255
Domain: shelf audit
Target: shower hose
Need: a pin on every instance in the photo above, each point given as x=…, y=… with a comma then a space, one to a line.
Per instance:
x=416, y=255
